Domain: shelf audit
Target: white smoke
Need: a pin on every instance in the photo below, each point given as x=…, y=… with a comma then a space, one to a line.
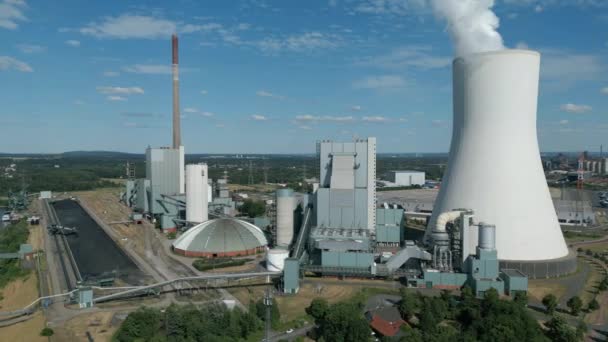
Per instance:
x=471, y=23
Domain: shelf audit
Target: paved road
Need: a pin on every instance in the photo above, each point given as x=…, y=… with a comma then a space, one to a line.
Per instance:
x=289, y=337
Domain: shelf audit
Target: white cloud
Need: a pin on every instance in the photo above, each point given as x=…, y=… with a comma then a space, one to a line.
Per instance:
x=328, y=118
x=303, y=42
x=258, y=117
x=128, y=26
x=72, y=42
x=403, y=120
x=190, y=110
x=11, y=12
x=307, y=128
x=311, y=41
x=264, y=93
x=155, y=69
x=111, y=73
x=438, y=123
x=207, y=114
x=563, y=122
x=120, y=90
x=204, y=92
x=604, y=90
x=380, y=82
x=377, y=119
x=355, y=108
x=538, y=8
x=419, y=56
x=392, y=7
x=31, y=48
x=116, y=98
x=566, y=67
x=10, y=63
x=522, y=45
x=575, y=108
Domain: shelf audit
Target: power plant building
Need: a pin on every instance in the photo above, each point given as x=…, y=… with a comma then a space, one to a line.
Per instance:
x=346, y=197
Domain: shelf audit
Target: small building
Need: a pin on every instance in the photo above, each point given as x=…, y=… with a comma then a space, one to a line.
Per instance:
x=574, y=212
x=407, y=178
x=514, y=280
x=386, y=321
x=223, y=237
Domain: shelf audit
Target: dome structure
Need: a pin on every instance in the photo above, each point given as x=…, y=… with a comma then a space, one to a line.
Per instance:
x=221, y=237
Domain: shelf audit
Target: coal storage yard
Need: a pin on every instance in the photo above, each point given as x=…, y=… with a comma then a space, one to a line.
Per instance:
x=96, y=254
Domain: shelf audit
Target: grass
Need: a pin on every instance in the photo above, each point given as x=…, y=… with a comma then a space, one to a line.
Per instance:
x=537, y=289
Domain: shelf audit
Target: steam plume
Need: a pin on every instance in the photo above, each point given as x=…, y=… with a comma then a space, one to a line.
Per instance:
x=471, y=23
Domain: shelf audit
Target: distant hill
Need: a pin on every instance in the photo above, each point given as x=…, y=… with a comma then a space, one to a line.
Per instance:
x=100, y=154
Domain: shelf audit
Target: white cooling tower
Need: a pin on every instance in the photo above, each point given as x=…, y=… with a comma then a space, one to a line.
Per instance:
x=494, y=167
x=196, y=193
x=285, y=208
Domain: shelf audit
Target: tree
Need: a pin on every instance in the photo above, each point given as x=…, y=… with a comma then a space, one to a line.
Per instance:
x=581, y=329
x=550, y=302
x=318, y=308
x=141, y=324
x=575, y=304
x=521, y=298
x=603, y=285
x=344, y=322
x=409, y=304
x=47, y=332
x=559, y=331
x=593, y=305
x=253, y=208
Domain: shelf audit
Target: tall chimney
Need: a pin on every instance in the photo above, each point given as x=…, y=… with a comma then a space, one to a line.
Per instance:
x=176, y=118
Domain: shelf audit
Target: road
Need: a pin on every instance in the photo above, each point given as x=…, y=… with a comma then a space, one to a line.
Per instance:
x=289, y=337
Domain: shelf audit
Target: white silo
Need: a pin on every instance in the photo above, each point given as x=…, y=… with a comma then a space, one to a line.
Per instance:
x=275, y=259
x=285, y=208
x=196, y=193
x=494, y=167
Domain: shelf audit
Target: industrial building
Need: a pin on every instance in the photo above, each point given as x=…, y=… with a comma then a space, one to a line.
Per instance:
x=578, y=213
x=482, y=231
x=224, y=237
x=406, y=178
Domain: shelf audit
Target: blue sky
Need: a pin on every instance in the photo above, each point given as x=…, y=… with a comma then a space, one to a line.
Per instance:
x=275, y=76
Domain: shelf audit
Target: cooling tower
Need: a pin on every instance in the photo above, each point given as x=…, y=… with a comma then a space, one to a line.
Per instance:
x=494, y=167
x=197, y=209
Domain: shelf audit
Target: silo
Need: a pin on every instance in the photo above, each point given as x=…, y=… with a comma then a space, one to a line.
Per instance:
x=275, y=259
x=494, y=137
x=487, y=236
x=196, y=193
x=285, y=208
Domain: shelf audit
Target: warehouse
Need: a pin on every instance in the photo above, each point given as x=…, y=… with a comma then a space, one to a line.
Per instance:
x=406, y=178
x=224, y=237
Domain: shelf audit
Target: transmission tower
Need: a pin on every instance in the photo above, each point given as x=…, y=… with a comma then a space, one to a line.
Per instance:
x=580, y=172
x=268, y=304
x=265, y=173
x=250, y=181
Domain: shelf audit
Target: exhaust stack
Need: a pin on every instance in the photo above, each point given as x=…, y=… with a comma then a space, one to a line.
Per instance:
x=177, y=141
